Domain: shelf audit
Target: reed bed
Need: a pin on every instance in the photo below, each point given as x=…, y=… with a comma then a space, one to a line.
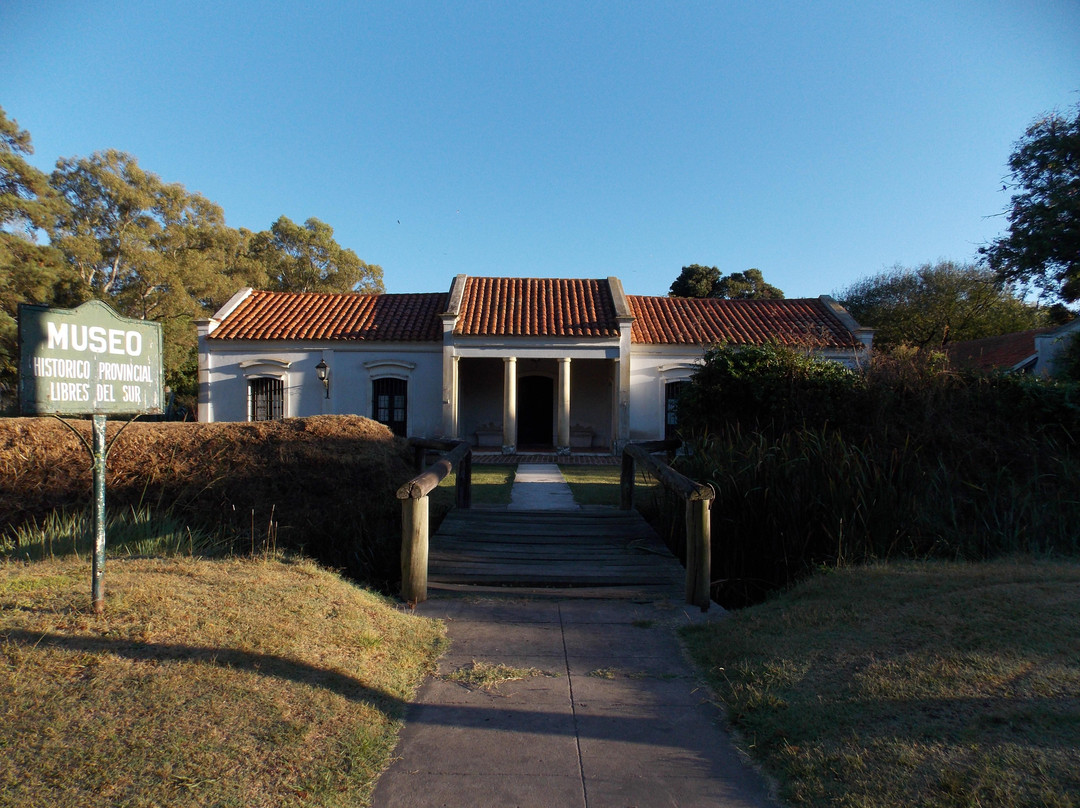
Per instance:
x=907, y=460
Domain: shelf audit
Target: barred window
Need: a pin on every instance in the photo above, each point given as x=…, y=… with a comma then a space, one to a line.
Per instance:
x=267, y=397
x=672, y=390
x=390, y=403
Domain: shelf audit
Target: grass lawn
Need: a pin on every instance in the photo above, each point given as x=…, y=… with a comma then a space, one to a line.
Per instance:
x=930, y=684
x=491, y=485
x=599, y=485
x=229, y=683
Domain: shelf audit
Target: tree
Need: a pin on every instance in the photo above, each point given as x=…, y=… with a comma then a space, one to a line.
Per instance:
x=29, y=272
x=932, y=305
x=701, y=281
x=1042, y=245
x=695, y=281
x=307, y=259
x=749, y=285
x=151, y=249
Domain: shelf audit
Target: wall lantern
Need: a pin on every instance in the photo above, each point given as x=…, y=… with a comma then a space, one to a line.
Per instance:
x=322, y=373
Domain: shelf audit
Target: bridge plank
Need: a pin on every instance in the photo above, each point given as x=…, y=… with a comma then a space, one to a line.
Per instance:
x=588, y=550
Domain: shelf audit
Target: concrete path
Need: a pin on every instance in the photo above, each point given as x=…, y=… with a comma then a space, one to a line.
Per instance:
x=615, y=718
x=541, y=487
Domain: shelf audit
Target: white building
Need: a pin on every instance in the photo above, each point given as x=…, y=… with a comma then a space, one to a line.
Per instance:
x=513, y=363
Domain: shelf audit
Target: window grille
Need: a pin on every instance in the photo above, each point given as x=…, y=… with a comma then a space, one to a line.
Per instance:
x=267, y=399
x=672, y=390
x=390, y=404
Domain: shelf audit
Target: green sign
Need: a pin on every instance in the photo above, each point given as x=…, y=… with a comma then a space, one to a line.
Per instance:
x=88, y=361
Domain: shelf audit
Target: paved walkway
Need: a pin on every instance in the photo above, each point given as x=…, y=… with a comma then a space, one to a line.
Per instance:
x=541, y=487
x=616, y=717
x=612, y=714
x=572, y=459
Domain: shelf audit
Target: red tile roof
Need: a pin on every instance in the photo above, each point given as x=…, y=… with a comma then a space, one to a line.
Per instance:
x=284, y=315
x=530, y=307
x=537, y=307
x=1004, y=351
x=679, y=320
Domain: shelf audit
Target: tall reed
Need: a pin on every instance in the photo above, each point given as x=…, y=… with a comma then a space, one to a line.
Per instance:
x=907, y=460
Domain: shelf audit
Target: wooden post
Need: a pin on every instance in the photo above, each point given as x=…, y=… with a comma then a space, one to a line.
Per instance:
x=626, y=483
x=698, y=553
x=464, y=482
x=414, y=549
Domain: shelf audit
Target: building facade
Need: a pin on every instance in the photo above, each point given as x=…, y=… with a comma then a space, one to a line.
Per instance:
x=507, y=363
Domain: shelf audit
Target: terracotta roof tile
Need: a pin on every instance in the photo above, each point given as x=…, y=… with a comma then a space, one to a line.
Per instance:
x=1003, y=351
x=537, y=307
x=679, y=320
x=284, y=315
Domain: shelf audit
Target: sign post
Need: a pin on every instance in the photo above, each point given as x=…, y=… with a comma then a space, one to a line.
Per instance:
x=89, y=361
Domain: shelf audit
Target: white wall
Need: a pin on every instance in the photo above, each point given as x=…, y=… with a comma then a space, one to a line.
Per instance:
x=591, y=397
x=1050, y=346
x=232, y=364
x=651, y=368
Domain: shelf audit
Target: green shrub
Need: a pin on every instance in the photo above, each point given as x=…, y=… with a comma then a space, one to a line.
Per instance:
x=815, y=465
x=767, y=387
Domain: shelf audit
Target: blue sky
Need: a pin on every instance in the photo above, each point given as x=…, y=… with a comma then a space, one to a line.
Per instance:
x=818, y=141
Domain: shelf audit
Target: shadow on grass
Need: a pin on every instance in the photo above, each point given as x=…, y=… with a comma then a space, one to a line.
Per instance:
x=262, y=664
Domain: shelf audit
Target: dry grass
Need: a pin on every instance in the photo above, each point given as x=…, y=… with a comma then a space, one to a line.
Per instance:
x=44, y=465
x=926, y=684
x=325, y=484
x=489, y=675
x=232, y=683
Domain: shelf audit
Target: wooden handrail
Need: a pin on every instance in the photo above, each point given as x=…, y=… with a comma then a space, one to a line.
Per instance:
x=414, y=509
x=424, y=483
x=698, y=498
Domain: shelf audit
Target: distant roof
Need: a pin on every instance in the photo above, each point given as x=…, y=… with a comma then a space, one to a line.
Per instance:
x=678, y=320
x=537, y=307
x=385, y=318
x=1003, y=351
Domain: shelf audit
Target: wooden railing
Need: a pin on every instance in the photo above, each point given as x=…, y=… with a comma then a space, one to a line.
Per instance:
x=414, y=507
x=698, y=498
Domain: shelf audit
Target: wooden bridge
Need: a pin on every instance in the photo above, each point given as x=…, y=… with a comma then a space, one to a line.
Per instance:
x=594, y=552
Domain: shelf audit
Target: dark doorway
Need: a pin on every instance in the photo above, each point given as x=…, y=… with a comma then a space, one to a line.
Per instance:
x=536, y=403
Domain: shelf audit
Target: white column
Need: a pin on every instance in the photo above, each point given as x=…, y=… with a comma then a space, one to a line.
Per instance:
x=455, y=396
x=509, y=405
x=450, y=394
x=622, y=385
x=563, y=444
x=206, y=368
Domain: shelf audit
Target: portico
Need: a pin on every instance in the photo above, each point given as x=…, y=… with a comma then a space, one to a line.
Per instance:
x=531, y=383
